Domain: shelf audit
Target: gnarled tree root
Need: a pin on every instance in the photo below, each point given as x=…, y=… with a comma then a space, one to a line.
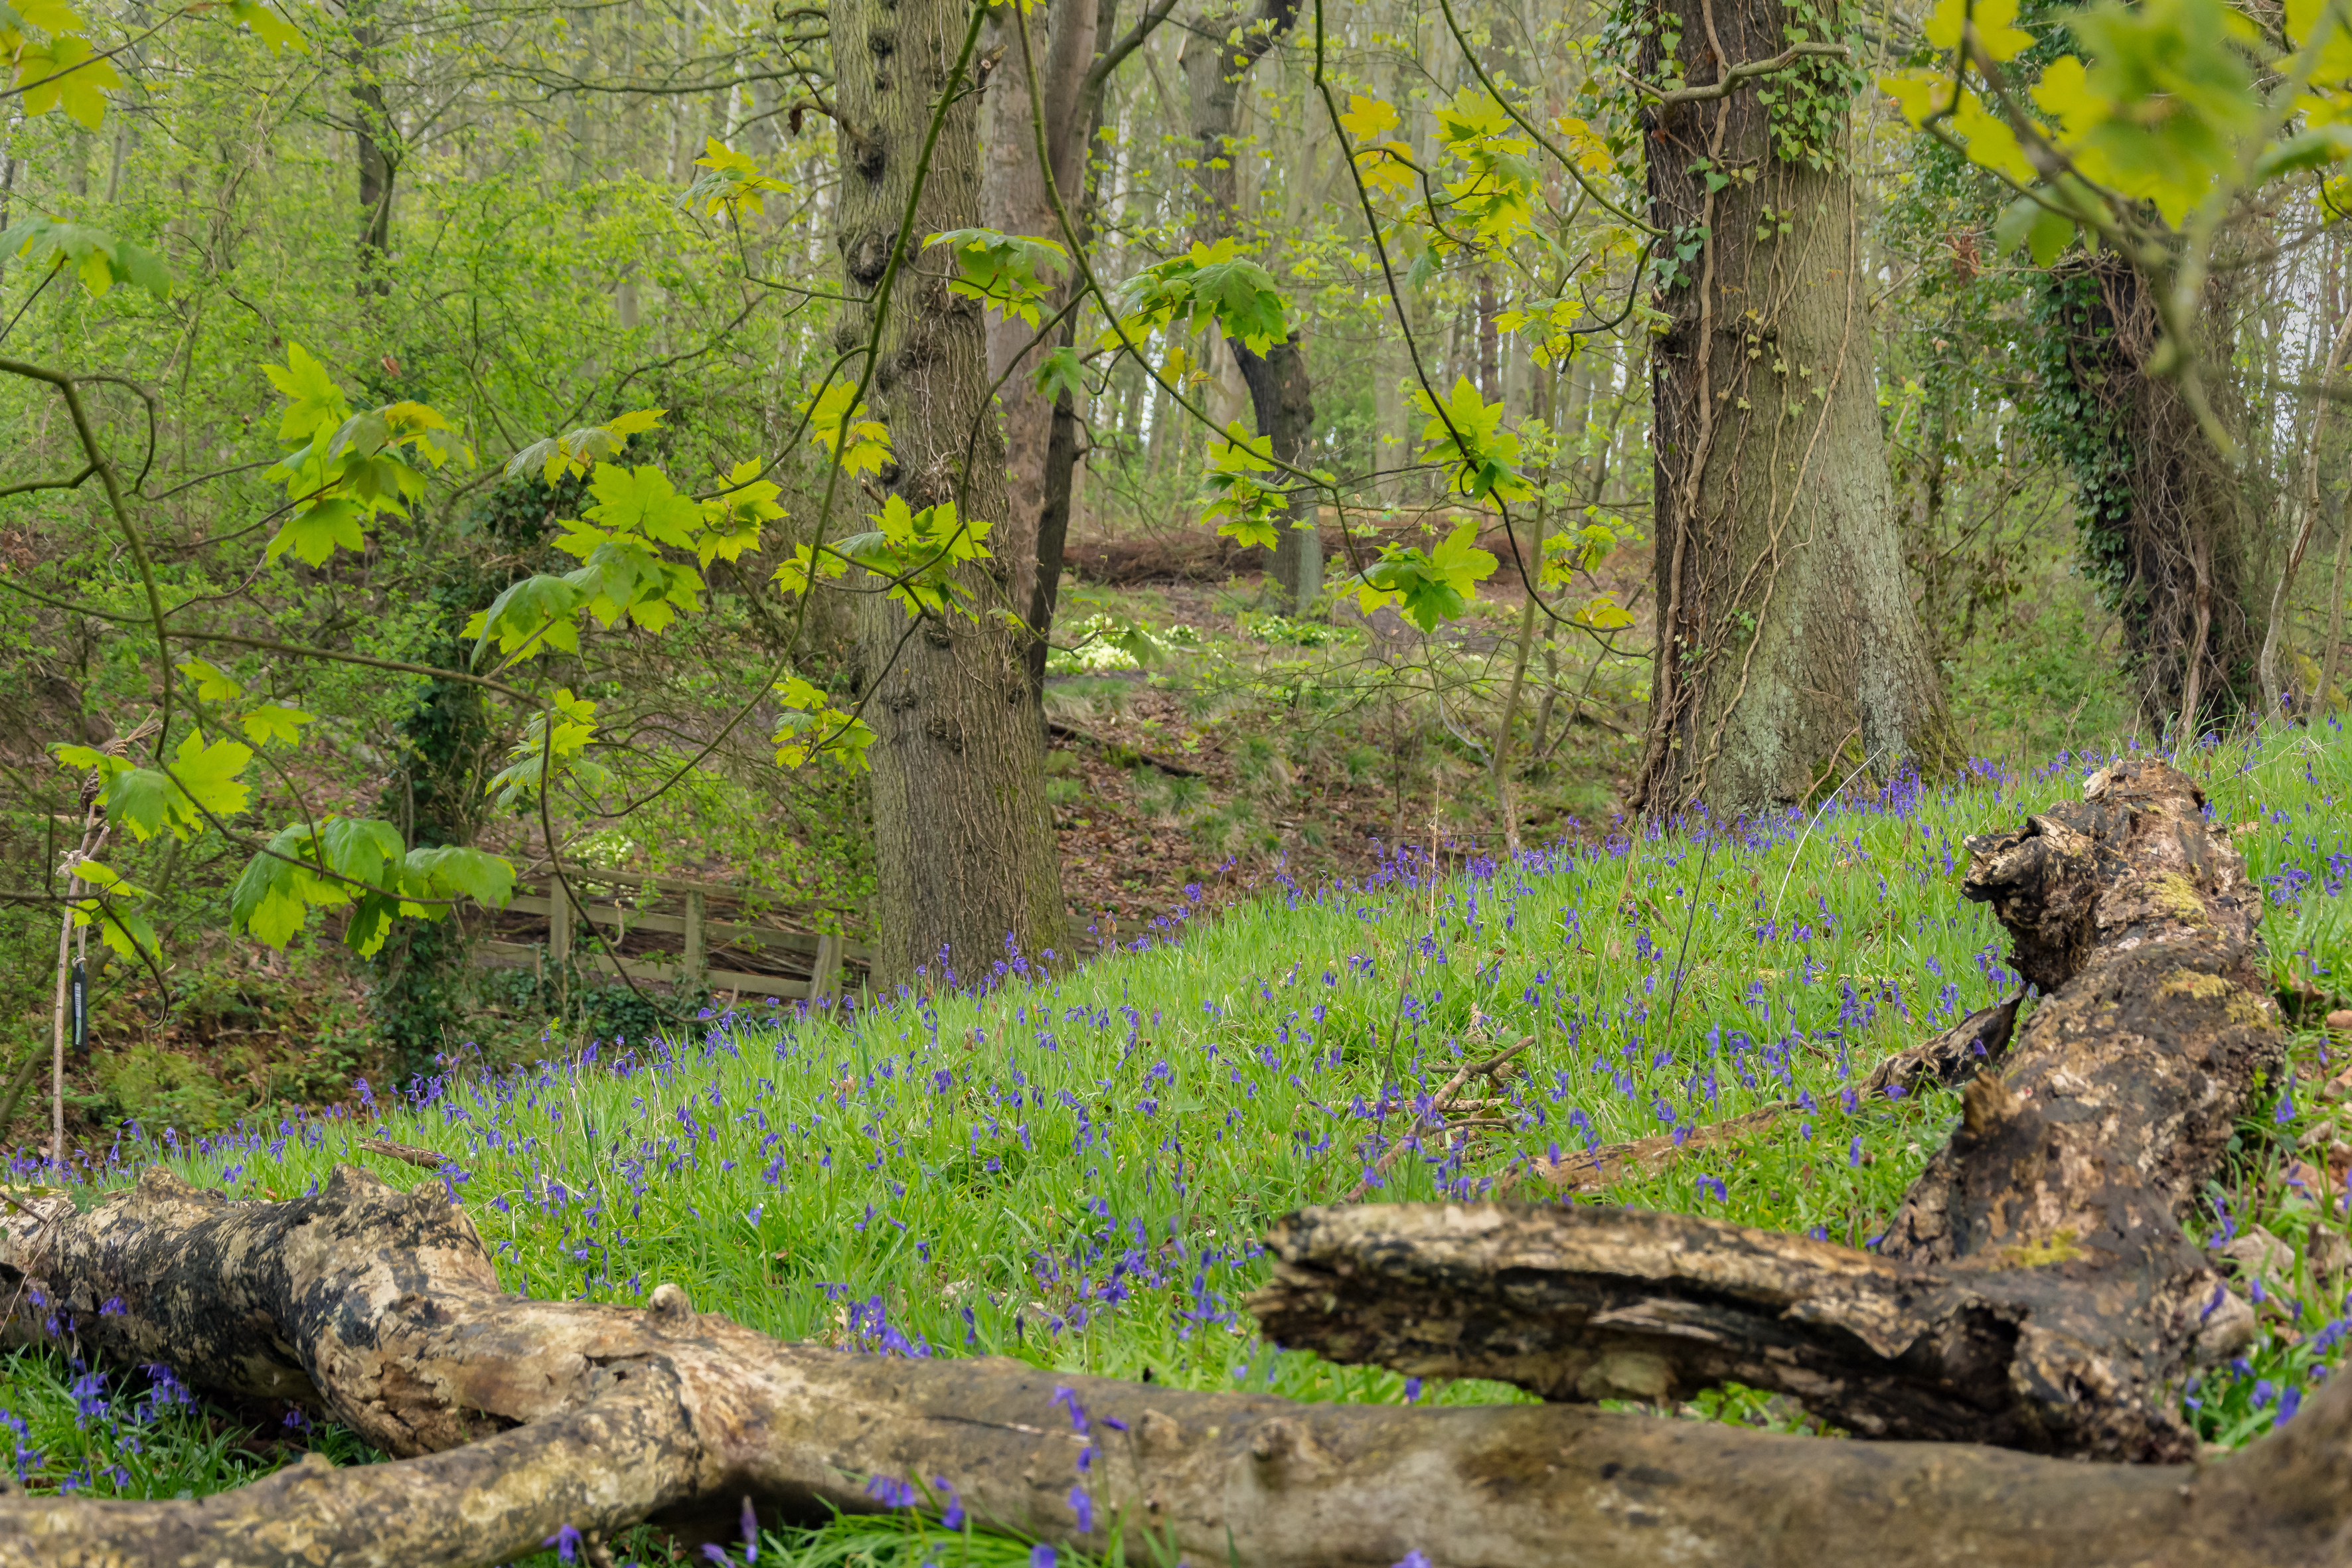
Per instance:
x=2036, y=1290
x=381, y=1307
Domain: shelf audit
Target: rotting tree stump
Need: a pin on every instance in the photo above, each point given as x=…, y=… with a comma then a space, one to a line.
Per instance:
x=2036, y=1290
x=511, y=1418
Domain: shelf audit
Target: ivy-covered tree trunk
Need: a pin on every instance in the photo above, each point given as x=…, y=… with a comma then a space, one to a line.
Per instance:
x=372, y=140
x=1786, y=637
x=2162, y=529
x=964, y=851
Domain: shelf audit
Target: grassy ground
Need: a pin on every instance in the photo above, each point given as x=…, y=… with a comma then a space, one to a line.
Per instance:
x=1075, y=1167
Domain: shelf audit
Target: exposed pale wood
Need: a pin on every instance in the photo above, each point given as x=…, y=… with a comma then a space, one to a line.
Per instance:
x=696, y=960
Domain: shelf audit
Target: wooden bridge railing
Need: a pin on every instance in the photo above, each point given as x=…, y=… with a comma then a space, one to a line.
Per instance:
x=663, y=929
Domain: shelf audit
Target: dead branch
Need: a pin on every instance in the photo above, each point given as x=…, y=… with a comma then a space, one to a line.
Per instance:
x=381, y=1307
x=1950, y=1058
x=2036, y=1289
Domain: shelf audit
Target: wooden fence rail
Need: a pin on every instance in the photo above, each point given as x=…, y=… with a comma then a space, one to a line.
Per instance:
x=751, y=955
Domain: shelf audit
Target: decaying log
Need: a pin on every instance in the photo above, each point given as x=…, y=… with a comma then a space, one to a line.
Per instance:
x=2036, y=1289
x=381, y=1307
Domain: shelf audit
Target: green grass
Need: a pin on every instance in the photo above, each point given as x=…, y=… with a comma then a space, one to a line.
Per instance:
x=1076, y=1167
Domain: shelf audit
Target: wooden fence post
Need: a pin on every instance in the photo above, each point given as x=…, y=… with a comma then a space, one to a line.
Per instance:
x=825, y=979
x=695, y=967
x=559, y=924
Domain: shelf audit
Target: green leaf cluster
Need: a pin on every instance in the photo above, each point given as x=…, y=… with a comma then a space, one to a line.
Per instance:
x=1210, y=285
x=1428, y=586
x=362, y=863
x=351, y=466
x=1014, y=273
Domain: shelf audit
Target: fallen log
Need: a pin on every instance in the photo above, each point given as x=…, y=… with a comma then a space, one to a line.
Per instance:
x=523, y=1417
x=2036, y=1289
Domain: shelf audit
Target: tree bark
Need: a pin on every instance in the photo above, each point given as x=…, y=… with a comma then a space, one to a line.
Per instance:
x=514, y=1418
x=1282, y=399
x=1786, y=625
x=2035, y=1289
x=965, y=860
x=1013, y=200
x=1280, y=393
x=2163, y=527
x=375, y=144
x=2307, y=519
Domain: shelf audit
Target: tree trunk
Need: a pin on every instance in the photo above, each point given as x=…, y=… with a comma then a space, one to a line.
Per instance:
x=513, y=1418
x=376, y=144
x=2274, y=689
x=1786, y=626
x=1013, y=200
x=2035, y=1290
x=1280, y=394
x=1282, y=400
x=2161, y=528
x=965, y=861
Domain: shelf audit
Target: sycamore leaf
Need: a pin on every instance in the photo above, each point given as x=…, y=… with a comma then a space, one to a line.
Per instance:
x=452, y=868
x=1061, y=374
x=64, y=73
x=2029, y=223
x=272, y=722
x=211, y=776
x=555, y=455
x=815, y=728
x=312, y=398
x=211, y=684
x=1996, y=25
x=1366, y=118
x=1428, y=586
x=318, y=530
x=266, y=24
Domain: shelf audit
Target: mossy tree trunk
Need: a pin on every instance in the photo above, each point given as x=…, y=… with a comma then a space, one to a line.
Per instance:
x=1787, y=635
x=965, y=860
